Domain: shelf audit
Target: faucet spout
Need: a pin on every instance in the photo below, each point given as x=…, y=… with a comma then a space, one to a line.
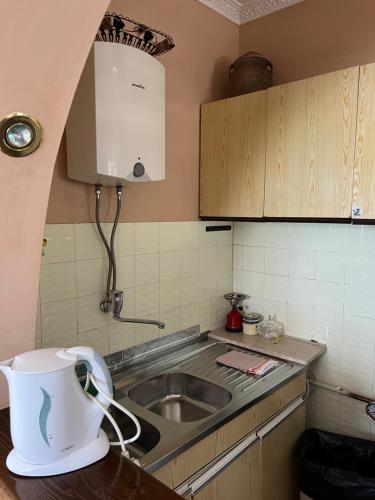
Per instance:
x=159, y=324
x=114, y=302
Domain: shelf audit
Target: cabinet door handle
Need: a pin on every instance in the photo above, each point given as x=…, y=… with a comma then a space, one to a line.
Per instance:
x=207, y=477
x=280, y=417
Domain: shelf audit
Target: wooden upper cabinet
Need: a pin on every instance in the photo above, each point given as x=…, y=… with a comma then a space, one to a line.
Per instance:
x=233, y=147
x=364, y=169
x=310, y=146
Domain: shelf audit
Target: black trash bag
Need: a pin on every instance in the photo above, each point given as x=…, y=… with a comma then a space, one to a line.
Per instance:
x=336, y=467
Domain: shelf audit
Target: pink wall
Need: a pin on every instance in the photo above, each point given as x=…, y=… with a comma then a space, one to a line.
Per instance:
x=43, y=60
x=313, y=37
x=196, y=71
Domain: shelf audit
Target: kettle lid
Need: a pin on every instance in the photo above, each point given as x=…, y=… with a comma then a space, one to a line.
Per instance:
x=43, y=361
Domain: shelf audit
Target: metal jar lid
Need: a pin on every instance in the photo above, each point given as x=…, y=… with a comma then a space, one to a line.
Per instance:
x=252, y=318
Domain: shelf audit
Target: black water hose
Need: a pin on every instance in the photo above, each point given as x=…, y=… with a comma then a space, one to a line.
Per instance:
x=113, y=234
x=104, y=239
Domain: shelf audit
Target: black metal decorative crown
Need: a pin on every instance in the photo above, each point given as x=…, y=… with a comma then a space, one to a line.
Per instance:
x=120, y=29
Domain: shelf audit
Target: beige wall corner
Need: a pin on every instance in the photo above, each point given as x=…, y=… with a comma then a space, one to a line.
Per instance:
x=313, y=37
x=45, y=45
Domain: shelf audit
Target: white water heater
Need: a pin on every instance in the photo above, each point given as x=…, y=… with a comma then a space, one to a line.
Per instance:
x=116, y=126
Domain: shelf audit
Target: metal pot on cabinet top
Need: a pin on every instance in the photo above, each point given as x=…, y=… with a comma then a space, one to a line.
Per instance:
x=249, y=73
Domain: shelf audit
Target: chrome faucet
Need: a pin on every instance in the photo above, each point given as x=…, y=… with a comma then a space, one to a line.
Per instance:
x=114, y=301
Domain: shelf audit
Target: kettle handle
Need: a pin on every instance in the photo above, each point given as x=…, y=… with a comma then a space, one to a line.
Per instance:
x=97, y=367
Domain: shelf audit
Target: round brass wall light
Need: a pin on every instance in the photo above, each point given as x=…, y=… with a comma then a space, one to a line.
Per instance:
x=20, y=134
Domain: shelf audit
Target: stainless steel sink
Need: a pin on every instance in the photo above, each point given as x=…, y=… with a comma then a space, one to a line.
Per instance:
x=182, y=394
x=180, y=397
x=149, y=438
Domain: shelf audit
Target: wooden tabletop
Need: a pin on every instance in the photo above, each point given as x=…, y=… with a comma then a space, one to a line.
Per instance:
x=112, y=478
x=289, y=348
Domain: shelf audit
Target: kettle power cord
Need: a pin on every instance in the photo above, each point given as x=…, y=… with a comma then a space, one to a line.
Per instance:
x=121, y=442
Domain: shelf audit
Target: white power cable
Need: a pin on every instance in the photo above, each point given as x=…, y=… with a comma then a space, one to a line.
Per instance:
x=121, y=441
x=114, y=423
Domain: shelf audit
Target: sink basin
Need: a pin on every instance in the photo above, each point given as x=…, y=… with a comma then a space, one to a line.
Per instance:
x=148, y=439
x=180, y=397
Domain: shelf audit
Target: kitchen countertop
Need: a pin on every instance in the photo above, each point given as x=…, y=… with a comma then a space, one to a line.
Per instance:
x=289, y=348
x=113, y=477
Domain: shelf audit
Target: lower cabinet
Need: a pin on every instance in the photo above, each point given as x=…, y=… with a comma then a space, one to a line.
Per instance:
x=250, y=458
x=241, y=480
x=278, y=461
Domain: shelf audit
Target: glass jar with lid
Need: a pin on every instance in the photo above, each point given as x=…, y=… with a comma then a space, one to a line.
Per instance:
x=250, y=322
x=271, y=328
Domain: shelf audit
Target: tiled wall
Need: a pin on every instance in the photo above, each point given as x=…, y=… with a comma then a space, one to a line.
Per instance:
x=319, y=279
x=174, y=271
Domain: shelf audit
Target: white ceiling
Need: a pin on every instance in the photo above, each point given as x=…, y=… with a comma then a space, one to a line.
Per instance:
x=243, y=11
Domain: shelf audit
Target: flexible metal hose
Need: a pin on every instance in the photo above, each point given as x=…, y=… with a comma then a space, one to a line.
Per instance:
x=113, y=234
x=104, y=239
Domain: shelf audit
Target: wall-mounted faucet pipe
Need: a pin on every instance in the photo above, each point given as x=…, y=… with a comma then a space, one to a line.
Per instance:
x=114, y=298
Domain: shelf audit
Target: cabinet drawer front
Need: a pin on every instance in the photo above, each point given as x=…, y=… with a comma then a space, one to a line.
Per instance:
x=310, y=146
x=188, y=463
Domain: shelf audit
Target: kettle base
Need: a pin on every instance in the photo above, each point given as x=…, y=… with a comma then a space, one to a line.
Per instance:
x=83, y=457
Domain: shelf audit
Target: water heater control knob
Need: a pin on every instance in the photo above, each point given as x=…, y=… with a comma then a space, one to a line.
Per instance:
x=138, y=170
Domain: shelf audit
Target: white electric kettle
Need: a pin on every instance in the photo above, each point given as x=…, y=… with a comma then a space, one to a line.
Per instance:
x=55, y=426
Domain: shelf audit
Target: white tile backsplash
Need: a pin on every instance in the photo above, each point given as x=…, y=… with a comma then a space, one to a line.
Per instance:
x=207, y=259
x=331, y=237
x=146, y=238
x=360, y=300
x=170, y=266
x=126, y=271
x=88, y=242
x=189, y=290
x=60, y=243
x=277, y=235
x=189, y=262
x=330, y=296
x=303, y=236
x=172, y=320
x=57, y=282
x=359, y=332
x=253, y=234
x=170, y=294
x=360, y=269
x=330, y=266
x=125, y=239
x=147, y=300
x=165, y=270
x=189, y=235
x=147, y=269
x=169, y=236
x=91, y=276
x=357, y=369
x=276, y=261
x=275, y=287
x=58, y=319
x=252, y=283
x=252, y=258
x=98, y=339
x=89, y=314
x=301, y=291
x=302, y=264
x=224, y=258
x=319, y=280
